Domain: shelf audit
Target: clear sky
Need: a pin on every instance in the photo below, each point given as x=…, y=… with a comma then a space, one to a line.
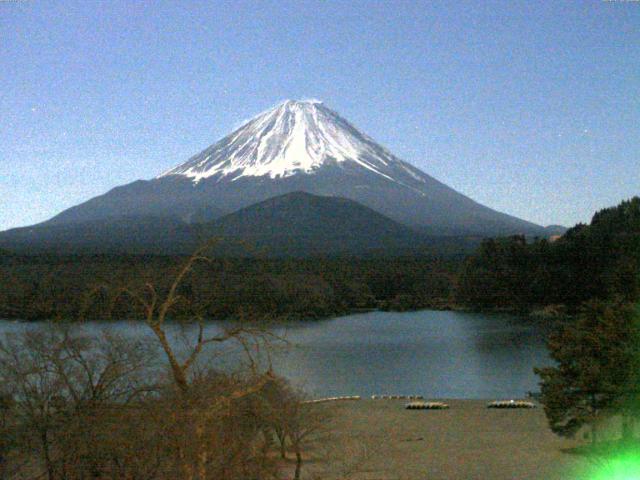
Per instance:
x=532, y=108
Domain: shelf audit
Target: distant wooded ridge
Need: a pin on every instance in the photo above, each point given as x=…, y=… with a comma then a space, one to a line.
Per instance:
x=296, y=224
x=600, y=260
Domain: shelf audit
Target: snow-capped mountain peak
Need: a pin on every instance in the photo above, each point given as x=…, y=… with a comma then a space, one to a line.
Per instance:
x=298, y=146
x=291, y=138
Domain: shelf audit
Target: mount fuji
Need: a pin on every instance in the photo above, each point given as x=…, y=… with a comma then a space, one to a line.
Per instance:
x=297, y=146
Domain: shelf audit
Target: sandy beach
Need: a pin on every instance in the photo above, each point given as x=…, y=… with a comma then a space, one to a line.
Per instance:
x=383, y=440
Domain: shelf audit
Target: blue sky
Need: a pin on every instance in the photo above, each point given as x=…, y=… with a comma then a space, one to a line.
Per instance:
x=532, y=108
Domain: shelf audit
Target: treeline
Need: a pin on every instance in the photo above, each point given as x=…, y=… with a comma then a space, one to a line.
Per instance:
x=86, y=286
x=75, y=406
x=599, y=261
x=596, y=261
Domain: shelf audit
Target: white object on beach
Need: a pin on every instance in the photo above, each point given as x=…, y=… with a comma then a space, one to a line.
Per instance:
x=426, y=406
x=511, y=404
x=334, y=399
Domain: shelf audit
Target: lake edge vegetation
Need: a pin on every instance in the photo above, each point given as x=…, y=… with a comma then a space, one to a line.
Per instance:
x=75, y=406
x=546, y=278
x=585, y=284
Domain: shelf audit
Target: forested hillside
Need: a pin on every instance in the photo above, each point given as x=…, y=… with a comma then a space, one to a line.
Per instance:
x=596, y=261
x=46, y=286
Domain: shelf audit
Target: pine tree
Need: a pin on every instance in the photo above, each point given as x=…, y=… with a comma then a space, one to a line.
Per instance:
x=597, y=356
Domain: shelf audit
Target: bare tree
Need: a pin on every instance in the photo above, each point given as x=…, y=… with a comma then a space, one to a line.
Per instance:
x=156, y=309
x=84, y=407
x=60, y=382
x=293, y=420
x=198, y=407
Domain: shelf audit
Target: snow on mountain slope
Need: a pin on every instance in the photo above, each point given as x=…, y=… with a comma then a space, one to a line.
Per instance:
x=294, y=137
x=298, y=146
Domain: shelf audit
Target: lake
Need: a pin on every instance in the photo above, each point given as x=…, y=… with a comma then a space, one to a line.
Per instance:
x=438, y=354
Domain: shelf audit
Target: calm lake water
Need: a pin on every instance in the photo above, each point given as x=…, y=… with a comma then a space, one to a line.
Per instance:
x=432, y=353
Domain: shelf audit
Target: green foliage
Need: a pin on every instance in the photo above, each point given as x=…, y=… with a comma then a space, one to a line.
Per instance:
x=601, y=260
x=597, y=360
x=84, y=286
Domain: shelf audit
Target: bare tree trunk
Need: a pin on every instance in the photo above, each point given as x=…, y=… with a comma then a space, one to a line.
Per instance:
x=179, y=374
x=296, y=475
x=183, y=459
x=282, y=441
x=44, y=439
x=202, y=453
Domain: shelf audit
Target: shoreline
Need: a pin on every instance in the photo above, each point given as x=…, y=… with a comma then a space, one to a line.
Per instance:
x=466, y=441
x=4, y=316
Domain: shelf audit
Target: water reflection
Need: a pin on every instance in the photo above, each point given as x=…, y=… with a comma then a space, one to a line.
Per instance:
x=433, y=353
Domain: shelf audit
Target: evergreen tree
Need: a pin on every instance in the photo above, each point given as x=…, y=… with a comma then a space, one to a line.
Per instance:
x=597, y=373
x=596, y=261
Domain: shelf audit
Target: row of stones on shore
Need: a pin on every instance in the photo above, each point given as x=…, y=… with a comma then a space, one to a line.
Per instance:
x=444, y=406
x=496, y=404
x=421, y=405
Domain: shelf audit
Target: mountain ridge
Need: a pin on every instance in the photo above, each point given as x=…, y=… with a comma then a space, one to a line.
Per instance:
x=296, y=224
x=299, y=146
